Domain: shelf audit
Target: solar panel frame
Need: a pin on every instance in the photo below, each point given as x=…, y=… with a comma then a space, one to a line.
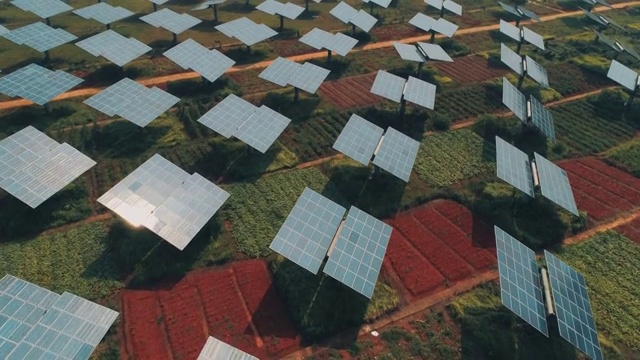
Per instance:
x=359, y=139
x=341, y=44
x=408, y=52
x=623, y=75
x=226, y=117
x=514, y=167
x=309, y=77
x=388, y=86
x=397, y=154
x=533, y=38
x=210, y=64
x=291, y=11
x=594, y=17
x=171, y=20
x=3, y=30
x=103, y=13
x=37, y=84
x=343, y=12
x=247, y=31
x=215, y=349
x=510, y=9
x=356, y=258
x=609, y=42
x=262, y=129
x=510, y=30
x=43, y=9
x=554, y=184
x=444, y=27
x=422, y=21
x=573, y=307
x=114, y=47
x=159, y=2
x=520, y=285
x=434, y=52
x=452, y=6
x=364, y=20
x=307, y=233
x=513, y=99
x=630, y=50
x=511, y=59
x=528, y=13
x=316, y=38
x=537, y=72
x=384, y=3
x=420, y=93
x=542, y=119
x=270, y=7
x=280, y=71
x=39, y=36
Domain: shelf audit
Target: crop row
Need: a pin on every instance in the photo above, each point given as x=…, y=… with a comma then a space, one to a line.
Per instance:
x=314, y=138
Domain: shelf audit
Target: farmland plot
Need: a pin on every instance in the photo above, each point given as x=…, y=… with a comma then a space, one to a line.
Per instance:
x=350, y=93
x=470, y=69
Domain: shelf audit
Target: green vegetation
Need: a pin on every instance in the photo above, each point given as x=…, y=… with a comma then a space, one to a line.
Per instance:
x=626, y=156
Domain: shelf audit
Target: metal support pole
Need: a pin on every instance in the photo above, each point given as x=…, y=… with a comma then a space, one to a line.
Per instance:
x=281, y=22
x=47, y=56
x=296, y=94
x=420, y=66
x=442, y=12
x=371, y=7
x=403, y=107
x=520, y=81
x=328, y=56
x=631, y=97
x=518, y=22
x=518, y=48
x=215, y=13
x=48, y=21
x=155, y=7
x=433, y=37
x=108, y=26
x=175, y=38
x=353, y=29
x=306, y=5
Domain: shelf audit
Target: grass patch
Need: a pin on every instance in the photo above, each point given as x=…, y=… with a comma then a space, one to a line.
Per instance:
x=627, y=156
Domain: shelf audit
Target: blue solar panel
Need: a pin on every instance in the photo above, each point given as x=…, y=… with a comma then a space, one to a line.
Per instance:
x=359, y=139
x=554, y=184
x=513, y=166
x=38, y=84
x=39, y=36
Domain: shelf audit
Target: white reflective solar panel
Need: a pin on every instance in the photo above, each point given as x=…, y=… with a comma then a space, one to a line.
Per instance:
x=34, y=167
x=622, y=75
x=280, y=71
x=309, y=77
x=166, y=200
x=359, y=139
x=510, y=30
x=388, y=86
x=291, y=10
x=170, y=20
x=520, y=286
x=159, y=2
x=132, y=101
x=189, y=54
x=247, y=31
x=422, y=22
x=262, y=129
x=434, y=52
x=270, y=7
x=453, y=7
x=408, y=52
x=597, y=18
x=36, y=83
x=397, y=154
x=513, y=166
x=511, y=59
x=43, y=8
x=114, y=47
x=226, y=117
x=514, y=100
x=306, y=234
x=357, y=255
x=215, y=349
x=420, y=93
x=542, y=119
x=610, y=42
x=208, y=4
x=510, y=9
x=444, y=27
x=573, y=307
x=344, y=12
x=316, y=38
x=537, y=72
x=533, y=38
x=103, y=13
x=341, y=44
x=39, y=36
x=364, y=20
x=384, y=3
x=41, y=324
x=3, y=30
x=528, y=13
x=554, y=184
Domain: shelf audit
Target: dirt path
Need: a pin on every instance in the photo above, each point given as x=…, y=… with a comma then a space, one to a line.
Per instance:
x=66, y=227
x=320, y=54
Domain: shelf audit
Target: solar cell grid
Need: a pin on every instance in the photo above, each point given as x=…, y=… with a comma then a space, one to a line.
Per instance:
x=554, y=184
x=36, y=83
x=434, y=52
x=597, y=18
x=247, y=31
x=444, y=27
x=609, y=42
x=43, y=9
x=215, y=349
x=622, y=75
x=270, y=7
x=316, y=38
x=537, y=72
x=422, y=21
x=3, y=30
x=573, y=307
x=280, y=71
x=420, y=93
x=306, y=234
x=528, y=13
x=533, y=38
x=262, y=129
x=341, y=44
x=511, y=31
x=453, y=7
x=228, y=115
x=520, y=286
x=189, y=54
x=359, y=139
x=114, y=47
x=357, y=256
x=103, y=13
x=170, y=20
x=308, y=77
x=39, y=36
x=511, y=59
x=364, y=20
x=344, y=12
x=513, y=166
x=291, y=10
x=510, y=9
x=384, y=3
x=388, y=86
x=514, y=100
x=408, y=52
x=542, y=119
x=397, y=154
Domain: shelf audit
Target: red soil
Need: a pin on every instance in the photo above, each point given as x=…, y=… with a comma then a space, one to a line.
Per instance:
x=351, y=92
x=470, y=69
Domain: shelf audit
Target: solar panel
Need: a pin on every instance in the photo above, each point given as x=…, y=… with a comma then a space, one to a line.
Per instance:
x=228, y=115
x=309, y=77
x=357, y=255
x=511, y=31
x=280, y=71
x=262, y=129
x=420, y=93
x=114, y=47
x=132, y=101
x=166, y=200
x=542, y=119
x=170, y=20
x=513, y=166
x=520, y=286
x=528, y=13
x=444, y=27
x=537, y=72
x=609, y=42
x=397, y=154
x=159, y=2
x=40, y=324
x=434, y=52
x=422, y=21
x=189, y=54
x=533, y=38
x=510, y=9
x=3, y=30
x=597, y=18
x=36, y=83
x=270, y=7
x=408, y=52
x=343, y=11
x=622, y=75
x=39, y=36
x=359, y=139
x=453, y=7
x=247, y=31
x=514, y=100
x=291, y=10
x=384, y=3
x=341, y=44
x=554, y=184
x=43, y=9
x=573, y=307
x=595, y=2
x=511, y=59
x=308, y=231
x=103, y=13
x=630, y=50
x=364, y=20
x=388, y=86
x=316, y=38
x=215, y=349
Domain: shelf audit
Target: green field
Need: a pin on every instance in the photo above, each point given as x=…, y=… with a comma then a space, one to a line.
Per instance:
x=626, y=156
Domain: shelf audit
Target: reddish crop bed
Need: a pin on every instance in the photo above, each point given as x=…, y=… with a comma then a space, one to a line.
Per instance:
x=438, y=243
x=470, y=69
x=236, y=304
x=351, y=92
x=601, y=190
x=394, y=32
x=250, y=83
x=631, y=230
